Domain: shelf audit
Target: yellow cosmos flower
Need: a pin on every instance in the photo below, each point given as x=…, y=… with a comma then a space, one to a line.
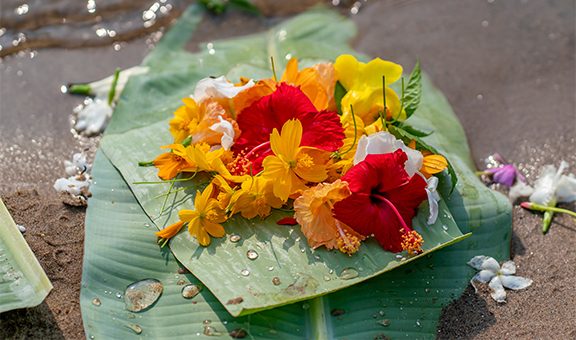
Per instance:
x=313, y=211
x=204, y=221
x=255, y=198
x=292, y=165
x=193, y=119
x=363, y=81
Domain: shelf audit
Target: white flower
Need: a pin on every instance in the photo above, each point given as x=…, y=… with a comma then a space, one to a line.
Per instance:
x=384, y=142
x=102, y=87
x=499, y=277
x=218, y=88
x=94, y=117
x=433, y=199
x=73, y=185
x=519, y=189
x=227, y=130
x=78, y=165
x=552, y=186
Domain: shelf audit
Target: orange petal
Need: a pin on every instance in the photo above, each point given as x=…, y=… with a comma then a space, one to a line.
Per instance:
x=434, y=164
x=171, y=230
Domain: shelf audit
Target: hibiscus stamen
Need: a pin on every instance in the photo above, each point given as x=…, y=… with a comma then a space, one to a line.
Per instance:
x=412, y=242
x=257, y=148
x=346, y=242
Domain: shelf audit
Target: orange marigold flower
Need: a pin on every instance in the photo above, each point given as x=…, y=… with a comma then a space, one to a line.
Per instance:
x=313, y=211
x=316, y=82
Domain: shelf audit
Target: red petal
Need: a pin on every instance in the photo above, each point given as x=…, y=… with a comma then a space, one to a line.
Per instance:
x=379, y=173
x=287, y=221
x=371, y=216
x=322, y=130
x=407, y=198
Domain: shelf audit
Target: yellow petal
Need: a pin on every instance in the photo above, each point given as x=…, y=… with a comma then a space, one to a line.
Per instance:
x=214, y=229
x=203, y=237
x=187, y=215
x=434, y=164
x=171, y=230
x=371, y=74
x=286, y=144
x=346, y=67
x=278, y=171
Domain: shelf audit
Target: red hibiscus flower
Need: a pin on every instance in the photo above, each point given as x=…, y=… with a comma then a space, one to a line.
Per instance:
x=383, y=202
x=321, y=130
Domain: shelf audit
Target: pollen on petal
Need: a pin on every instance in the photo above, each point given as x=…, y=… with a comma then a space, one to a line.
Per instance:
x=412, y=242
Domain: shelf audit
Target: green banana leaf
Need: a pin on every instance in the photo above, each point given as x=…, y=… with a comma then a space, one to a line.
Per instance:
x=407, y=301
x=23, y=282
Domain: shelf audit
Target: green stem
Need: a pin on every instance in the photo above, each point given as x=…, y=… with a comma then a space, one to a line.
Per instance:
x=112, y=92
x=545, y=208
x=318, y=319
x=547, y=221
x=355, y=132
x=145, y=163
x=273, y=68
x=82, y=89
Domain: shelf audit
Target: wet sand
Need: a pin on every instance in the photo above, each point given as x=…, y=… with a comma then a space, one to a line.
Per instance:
x=507, y=67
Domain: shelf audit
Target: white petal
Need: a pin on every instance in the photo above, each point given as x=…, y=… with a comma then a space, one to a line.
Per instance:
x=477, y=261
x=547, y=183
x=218, y=88
x=101, y=88
x=566, y=191
x=384, y=142
x=519, y=189
x=508, y=268
x=484, y=276
x=93, y=118
x=72, y=185
x=498, y=293
x=515, y=282
x=227, y=130
x=491, y=264
x=433, y=198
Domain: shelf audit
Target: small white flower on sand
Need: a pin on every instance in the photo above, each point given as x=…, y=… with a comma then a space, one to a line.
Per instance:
x=552, y=186
x=519, y=189
x=93, y=118
x=78, y=165
x=227, y=130
x=73, y=184
x=218, y=88
x=498, y=277
x=433, y=199
x=384, y=142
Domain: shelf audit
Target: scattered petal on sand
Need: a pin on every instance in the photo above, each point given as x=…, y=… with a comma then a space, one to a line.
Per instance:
x=498, y=277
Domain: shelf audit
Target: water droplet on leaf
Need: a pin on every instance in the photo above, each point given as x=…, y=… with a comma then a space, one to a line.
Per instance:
x=96, y=302
x=142, y=294
x=252, y=254
x=135, y=328
x=244, y=272
x=348, y=273
x=190, y=291
x=235, y=238
x=276, y=281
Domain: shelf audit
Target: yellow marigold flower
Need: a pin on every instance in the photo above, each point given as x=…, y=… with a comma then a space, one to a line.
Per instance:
x=292, y=166
x=313, y=211
x=255, y=198
x=193, y=119
x=363, y=81
x=204, y=221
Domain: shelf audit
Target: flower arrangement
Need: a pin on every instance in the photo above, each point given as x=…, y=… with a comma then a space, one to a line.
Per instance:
x=329, y=143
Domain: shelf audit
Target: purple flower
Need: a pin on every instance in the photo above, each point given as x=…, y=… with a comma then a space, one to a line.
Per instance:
x=505, y=174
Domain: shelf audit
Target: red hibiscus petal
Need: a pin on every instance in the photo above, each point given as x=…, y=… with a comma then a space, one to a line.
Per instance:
x=287, y=221
x=379, y=173
x=407, y=198
x=269, y=112
x=370, y=216
x=321, y=130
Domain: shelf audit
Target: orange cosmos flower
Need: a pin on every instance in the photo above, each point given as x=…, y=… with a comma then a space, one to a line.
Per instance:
x=195, y=120
x=432, y=163
x=313, y=211
x=255, y=198
x=292, y=166
x=170, y=164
